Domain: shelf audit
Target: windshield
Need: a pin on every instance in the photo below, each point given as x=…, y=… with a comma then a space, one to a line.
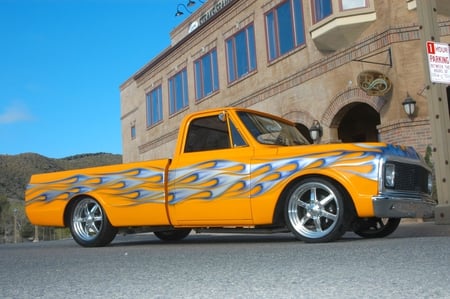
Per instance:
x=272, y=131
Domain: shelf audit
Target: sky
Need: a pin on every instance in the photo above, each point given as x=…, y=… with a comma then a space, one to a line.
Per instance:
x=61, y=66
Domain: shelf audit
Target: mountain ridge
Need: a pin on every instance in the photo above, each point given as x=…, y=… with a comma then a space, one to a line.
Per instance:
x=16, y=170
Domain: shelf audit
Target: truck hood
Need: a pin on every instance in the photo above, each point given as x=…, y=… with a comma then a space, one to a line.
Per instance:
x=375, y=148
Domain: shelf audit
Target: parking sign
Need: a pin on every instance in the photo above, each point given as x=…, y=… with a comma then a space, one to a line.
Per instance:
x=439, y=62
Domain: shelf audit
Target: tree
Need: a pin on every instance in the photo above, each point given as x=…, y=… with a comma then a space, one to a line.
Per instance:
x=5, y=219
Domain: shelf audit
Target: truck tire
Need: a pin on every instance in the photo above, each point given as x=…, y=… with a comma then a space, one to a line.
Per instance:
x=314, y=210
x=376, y=227
x=172, y=235
x=89, y=224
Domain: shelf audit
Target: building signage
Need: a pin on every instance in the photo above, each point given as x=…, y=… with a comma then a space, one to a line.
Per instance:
x=439, y=62
x=374, y=83
x=217, y=7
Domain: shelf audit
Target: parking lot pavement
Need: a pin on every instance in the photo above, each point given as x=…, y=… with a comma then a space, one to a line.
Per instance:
x=419, y=228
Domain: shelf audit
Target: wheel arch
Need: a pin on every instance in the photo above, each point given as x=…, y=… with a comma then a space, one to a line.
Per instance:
x=72, y=202
x=278, y=215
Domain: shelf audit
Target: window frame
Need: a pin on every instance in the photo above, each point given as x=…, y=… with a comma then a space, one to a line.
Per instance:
x=315, y=16
x=133, y=131
x=199, y=75
x=207, y=133
x=175, y=104
x=341, y=5
x=274, y=34
x=152, y=103
x=234, y=71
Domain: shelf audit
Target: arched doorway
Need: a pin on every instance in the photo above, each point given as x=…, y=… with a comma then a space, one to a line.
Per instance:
x=359, y=123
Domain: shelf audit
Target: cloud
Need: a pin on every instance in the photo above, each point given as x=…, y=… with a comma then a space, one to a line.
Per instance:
x=16, y=112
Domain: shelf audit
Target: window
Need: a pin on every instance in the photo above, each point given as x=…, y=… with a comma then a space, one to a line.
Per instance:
x=154, y=106
x=352, y=4
x=206, y=75
x=178, y=92
x=236, y=137
x=285, y=29
x=133, y=131
x=207, y=133
x=272, y=131
x=322, y=9
x=241, y=54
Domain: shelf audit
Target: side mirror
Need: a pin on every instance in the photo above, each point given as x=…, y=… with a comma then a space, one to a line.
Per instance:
x=222, y=116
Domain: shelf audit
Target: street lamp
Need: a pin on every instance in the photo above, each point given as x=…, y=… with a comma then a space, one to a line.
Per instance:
x=409, y=105
x=315, y=131
x=179, y=12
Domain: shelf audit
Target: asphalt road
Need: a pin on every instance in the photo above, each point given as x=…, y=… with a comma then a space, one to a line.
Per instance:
x=414, y=262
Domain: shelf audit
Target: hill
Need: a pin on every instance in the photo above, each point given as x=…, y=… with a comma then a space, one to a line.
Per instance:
x=15, y=170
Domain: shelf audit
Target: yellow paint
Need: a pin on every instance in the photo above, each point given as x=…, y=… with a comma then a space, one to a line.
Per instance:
x=236, y=186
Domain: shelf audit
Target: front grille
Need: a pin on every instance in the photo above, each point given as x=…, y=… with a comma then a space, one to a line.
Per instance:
x=410, y=177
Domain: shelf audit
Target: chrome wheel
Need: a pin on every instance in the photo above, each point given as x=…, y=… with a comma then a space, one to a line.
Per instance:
x=314, y=211
x=89, y=225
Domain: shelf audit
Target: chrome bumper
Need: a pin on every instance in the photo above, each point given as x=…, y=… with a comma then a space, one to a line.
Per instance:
x=386, y=206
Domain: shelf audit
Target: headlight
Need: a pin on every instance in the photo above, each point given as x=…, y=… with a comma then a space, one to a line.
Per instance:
x=389, y=175
x=430, y=183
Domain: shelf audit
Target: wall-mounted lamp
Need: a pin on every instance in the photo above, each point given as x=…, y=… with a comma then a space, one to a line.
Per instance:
x=409, y=105
x=316, y=130
x=179, y=12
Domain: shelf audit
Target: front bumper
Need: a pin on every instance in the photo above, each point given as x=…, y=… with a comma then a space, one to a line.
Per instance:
x=386, y=206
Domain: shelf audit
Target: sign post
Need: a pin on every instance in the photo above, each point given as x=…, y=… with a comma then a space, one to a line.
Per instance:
x=437, y=73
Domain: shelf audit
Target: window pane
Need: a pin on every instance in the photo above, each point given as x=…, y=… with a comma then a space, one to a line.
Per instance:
x=236, y=136
x=171, y=97
x=271, y=36
x=351, y=4
x=178, y=92
x=133, y=132
x=215, y=71
x=207, y=133
x=322, y=9
x=198, y=80
x=231, y=62
x=154, y=106
x=206, y=75
x=299, y=28
x=285, y=30
x=241, y=54
x=251, y=48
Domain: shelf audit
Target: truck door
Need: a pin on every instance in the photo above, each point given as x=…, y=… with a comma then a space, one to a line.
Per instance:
x=209, y=183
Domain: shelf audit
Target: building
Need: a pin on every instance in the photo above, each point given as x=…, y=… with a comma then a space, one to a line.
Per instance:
x=348, y=65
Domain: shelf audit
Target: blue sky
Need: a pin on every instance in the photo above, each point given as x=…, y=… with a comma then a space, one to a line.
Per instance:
x=61, y=65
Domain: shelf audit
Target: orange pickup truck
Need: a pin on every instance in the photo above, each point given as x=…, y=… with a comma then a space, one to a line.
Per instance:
x=239, y=170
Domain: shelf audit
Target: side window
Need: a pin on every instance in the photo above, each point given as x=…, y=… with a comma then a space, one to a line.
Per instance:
x=207, y=133
x=236, y=137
